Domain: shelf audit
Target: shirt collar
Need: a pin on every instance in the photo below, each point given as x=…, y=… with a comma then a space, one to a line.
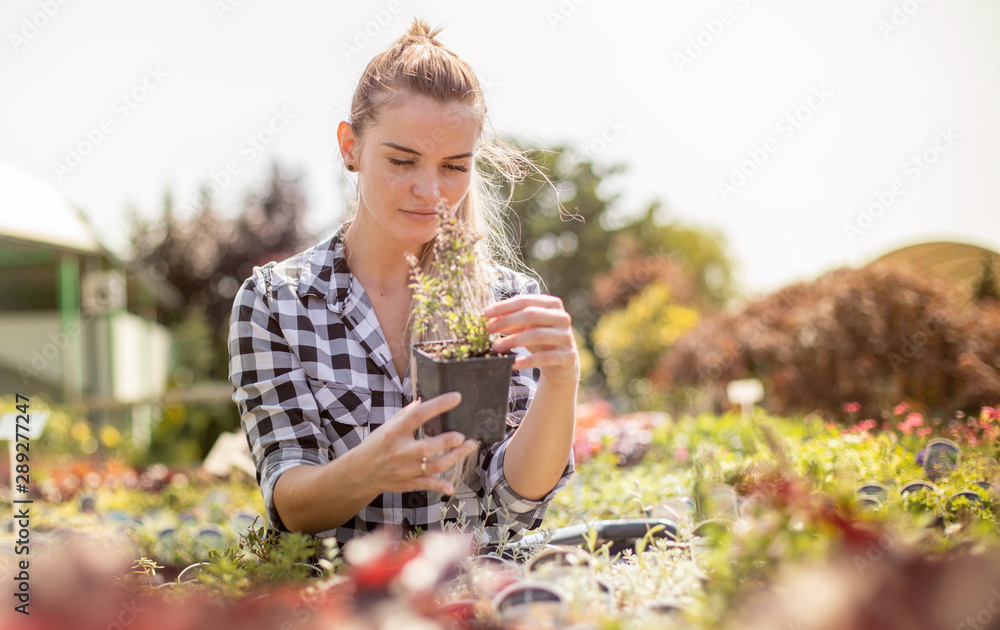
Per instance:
x=325, y=273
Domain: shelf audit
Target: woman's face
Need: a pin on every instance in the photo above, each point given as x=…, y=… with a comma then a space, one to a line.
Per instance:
x=417, y=153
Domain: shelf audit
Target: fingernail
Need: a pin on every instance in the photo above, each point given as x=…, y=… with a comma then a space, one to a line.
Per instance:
x=454, y=397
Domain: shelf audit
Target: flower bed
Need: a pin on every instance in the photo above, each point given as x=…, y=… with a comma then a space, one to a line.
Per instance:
x=789, y=503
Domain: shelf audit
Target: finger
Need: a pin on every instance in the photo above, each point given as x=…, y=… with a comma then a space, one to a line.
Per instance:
x=431, y=446
x=433, y=484
x=530, y=317
x=536, y=338
x=442, y=462
x=546, y=358
x=414, y=416
x=518, y=302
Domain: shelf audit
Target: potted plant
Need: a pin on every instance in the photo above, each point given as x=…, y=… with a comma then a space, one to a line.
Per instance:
x=456, y=353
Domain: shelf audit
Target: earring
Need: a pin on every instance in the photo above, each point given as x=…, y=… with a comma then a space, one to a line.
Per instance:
x=350, y=167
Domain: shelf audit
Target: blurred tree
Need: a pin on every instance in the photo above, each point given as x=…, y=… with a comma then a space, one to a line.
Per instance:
x=631, y=340
x=699, y=253
x=193, y=339
x=271, y=227
x=207, y=258
x=576, y=240
x=565, y=240
x=986, y=284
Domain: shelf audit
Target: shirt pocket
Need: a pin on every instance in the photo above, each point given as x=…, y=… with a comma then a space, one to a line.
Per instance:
x=347, y=409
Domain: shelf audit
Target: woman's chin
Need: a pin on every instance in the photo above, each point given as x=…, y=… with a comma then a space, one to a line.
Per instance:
x=418, y=232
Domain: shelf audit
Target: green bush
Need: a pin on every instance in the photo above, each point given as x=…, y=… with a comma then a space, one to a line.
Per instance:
x=630, y=340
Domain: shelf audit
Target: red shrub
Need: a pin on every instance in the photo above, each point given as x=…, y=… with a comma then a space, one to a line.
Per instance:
x=875, y=336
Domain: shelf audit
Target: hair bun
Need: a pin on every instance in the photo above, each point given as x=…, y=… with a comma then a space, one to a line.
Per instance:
x=422, y=30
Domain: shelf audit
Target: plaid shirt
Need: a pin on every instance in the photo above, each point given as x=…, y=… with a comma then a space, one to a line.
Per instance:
x=314, y=376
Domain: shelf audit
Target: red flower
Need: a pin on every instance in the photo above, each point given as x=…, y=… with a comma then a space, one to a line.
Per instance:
x=989, y=413
x=852, y=407
x=901, y=408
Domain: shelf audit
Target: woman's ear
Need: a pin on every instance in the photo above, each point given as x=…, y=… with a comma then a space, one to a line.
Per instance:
x=348, y=145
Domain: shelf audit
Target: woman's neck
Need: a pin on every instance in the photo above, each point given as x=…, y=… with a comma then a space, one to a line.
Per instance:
x=375, y=257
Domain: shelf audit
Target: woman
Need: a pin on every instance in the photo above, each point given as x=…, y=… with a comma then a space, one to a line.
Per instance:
x=319, y=342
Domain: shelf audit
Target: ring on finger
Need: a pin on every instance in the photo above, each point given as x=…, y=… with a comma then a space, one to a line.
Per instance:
x=423, y=466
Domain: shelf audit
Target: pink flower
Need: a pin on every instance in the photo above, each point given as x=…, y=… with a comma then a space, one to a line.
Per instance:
x=925, y=431
x=681, y=454
x=912, y=421
x=866, y=425
x=901, y=408
x=852, y=407
x=989, y=413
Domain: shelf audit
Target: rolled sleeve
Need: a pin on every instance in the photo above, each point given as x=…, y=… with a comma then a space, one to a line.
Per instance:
x=514, y=514
x=509, y=515
x=515, y=503
x=278, y=411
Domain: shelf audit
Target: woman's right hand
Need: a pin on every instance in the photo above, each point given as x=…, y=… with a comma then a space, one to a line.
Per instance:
x=395, y=458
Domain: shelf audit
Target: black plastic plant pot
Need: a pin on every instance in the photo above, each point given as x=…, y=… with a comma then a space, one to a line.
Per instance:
x=484, y=383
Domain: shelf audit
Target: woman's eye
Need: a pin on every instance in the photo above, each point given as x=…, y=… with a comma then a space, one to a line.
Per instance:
x=396, y=162
x=458, y=167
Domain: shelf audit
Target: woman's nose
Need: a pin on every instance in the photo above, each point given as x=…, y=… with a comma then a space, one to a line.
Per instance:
x=427, y=186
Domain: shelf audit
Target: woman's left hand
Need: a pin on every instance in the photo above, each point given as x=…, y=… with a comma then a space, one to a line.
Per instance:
x=540, y=324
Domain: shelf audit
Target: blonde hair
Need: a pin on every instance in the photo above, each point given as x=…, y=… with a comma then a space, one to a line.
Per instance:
x=418, y=64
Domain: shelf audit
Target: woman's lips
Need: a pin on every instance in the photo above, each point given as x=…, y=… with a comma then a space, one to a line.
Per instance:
x=420, y=213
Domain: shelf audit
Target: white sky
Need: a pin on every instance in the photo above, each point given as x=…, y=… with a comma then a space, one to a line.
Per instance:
x=888, y=95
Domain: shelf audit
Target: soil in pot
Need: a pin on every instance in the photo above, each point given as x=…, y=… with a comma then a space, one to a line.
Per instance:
x=484, y=383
